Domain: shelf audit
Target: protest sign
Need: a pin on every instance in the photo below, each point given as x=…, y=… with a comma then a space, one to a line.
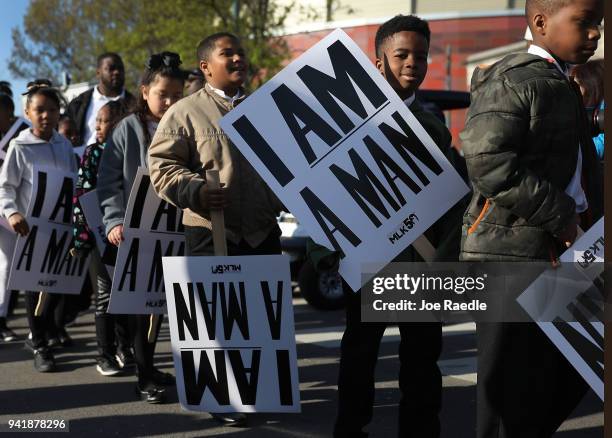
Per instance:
x=19, y=125
x=152, y=229
x=232, y=333
x=93, y=215
x=342, y=151
x=577, y=327
x=42, y=260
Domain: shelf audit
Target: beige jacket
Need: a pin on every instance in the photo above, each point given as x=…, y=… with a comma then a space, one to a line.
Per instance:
x=188, y=142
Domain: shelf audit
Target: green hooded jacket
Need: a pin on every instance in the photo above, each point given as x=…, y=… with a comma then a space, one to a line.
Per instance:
x=521, y=139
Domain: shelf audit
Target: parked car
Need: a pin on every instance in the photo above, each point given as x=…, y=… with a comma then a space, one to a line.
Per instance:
x=325, y=290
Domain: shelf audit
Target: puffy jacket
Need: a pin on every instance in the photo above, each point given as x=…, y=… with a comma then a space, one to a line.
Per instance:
x=521, y=138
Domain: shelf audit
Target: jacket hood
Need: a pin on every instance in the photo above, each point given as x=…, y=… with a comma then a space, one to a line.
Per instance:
x=27, y=137
x=510, y=62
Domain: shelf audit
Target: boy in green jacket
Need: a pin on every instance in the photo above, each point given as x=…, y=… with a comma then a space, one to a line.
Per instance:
x=534, y=173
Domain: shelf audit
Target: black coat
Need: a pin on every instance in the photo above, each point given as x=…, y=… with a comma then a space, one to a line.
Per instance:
x=77, y=109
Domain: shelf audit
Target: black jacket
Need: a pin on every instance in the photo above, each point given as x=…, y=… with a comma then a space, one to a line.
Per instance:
x=520, y=143
x=77, y=109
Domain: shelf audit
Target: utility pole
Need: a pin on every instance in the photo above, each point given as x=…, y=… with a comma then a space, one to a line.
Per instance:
x=236, y=14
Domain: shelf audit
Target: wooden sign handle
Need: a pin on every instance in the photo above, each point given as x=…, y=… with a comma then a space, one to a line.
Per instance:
x=216, y=217
x=424, y=247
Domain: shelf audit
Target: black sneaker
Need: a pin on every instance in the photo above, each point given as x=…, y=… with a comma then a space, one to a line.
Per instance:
x=28, y=344
x=43, y=360
x=162, y=378
x=107, y=366
x=125, y=358
x=151, y=393
x=7, y=335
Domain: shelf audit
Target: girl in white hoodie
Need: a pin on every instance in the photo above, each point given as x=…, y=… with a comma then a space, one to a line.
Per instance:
x=40, y=145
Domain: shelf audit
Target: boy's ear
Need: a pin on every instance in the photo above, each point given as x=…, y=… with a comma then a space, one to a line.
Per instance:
x=204, y=67
x=538, y=23
x=380, y=66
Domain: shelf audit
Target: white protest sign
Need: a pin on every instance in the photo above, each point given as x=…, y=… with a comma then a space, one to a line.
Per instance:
x=42, y=260
x=581, y=340
x=152, y=229
x=342, y=151
x=232, y=333
x=19, y=125
x=93, y=215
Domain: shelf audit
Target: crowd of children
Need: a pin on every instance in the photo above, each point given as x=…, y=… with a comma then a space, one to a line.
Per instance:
x=532, y=184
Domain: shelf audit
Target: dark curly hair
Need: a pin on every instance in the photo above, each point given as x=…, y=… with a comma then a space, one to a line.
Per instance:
x=400, y=23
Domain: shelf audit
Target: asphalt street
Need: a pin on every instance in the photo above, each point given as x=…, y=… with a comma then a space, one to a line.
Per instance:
x=94, y=405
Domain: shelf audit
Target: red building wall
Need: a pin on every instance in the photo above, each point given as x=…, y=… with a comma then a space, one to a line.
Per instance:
x=466, y=36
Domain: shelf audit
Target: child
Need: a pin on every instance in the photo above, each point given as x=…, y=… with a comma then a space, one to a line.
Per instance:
x=527, y=152
x=43, y=146
x=402, y=47
x=180, y=153
x=7, y=108
x=68, y=129
x=107, y=362
x=161, y=86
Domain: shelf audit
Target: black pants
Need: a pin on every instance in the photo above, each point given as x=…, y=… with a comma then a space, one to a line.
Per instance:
x=112, y=331
x=40, y=325
x=143, y=349
x=199, y=242
x=526, y=388
x=420, y=380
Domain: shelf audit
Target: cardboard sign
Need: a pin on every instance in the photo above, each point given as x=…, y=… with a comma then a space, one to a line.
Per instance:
x=232, y=333
x=582, y=339
x=342, y=151
x=152, y=229
x=42, y=261
x=93, y=215
x=19, y=125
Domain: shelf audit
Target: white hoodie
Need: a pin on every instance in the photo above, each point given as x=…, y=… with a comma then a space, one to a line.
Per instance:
x=25, y=151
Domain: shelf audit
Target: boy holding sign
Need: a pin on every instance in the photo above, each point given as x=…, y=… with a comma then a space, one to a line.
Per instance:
x=402, y=47
x=189, y=141
x=42, y=146
x=535, y=177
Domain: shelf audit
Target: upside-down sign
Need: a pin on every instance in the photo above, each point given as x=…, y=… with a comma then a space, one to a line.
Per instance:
x=232, y=332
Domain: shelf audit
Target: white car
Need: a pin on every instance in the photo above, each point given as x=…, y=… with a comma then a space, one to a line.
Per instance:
x=323, y=290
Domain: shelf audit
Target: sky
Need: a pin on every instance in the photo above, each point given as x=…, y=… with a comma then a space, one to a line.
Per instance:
x=9, y=18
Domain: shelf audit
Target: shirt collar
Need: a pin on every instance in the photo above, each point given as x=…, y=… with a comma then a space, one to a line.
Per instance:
x=99, y=96
x=539, y=51
x=230, y=99
x=409, y=101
